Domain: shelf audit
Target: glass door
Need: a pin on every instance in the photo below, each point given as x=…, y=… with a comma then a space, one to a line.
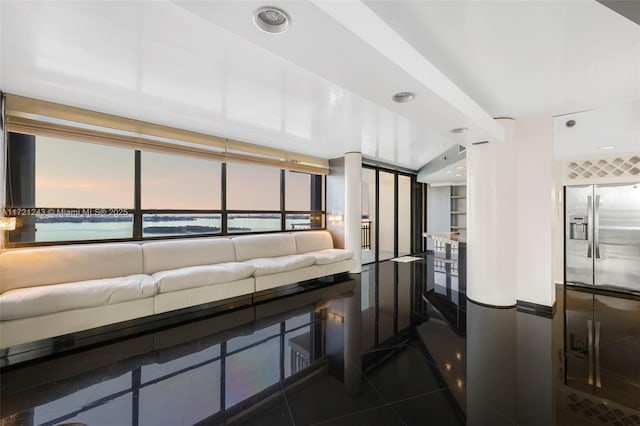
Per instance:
x=387, y=216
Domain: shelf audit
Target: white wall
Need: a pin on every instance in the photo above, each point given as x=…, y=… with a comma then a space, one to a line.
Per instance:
x=535, y=210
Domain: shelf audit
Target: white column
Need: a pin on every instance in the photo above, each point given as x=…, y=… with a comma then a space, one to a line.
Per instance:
x=491, y=220
x=535, y=213
x=353, y=206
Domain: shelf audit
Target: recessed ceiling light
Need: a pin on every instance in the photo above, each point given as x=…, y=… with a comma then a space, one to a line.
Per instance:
x=459, y=130
x=570, y=123
x=448, y=171
x=459, y=167
x=403, y=97
x=458, y=174
x=607, y=147
x=271, y=20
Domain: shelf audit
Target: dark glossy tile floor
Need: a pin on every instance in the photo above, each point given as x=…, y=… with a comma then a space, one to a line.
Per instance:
x=392, y=346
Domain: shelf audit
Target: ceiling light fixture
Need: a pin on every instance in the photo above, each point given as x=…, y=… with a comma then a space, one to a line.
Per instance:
x=570, y=123
x=403, y=97
x=458, y=174
x=448, y=171
x=459, y=167
x=271, y=20
x=607, y=147
x=459, y=130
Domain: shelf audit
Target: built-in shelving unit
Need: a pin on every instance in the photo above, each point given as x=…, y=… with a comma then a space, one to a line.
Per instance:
x=458, y=209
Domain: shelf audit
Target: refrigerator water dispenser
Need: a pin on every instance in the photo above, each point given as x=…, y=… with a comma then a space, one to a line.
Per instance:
x=578, y=228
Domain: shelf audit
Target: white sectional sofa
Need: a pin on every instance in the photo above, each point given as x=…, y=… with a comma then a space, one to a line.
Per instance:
x=57, y=290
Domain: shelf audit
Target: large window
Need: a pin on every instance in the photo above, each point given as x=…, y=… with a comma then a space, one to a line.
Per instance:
x=186, y=184
x=62, y=190
x=251, y=187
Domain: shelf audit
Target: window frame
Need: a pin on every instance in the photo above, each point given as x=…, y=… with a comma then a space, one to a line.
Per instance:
x=138, y=212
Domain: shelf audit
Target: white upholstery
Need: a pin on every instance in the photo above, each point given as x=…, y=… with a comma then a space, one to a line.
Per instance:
x=313, y=241
x=165, y=302
x=52, y=291
x=327, y=256
x=266, y=282
x=173, y=254
x=266, y=245
x=48, y=299
x=25, y=330
x=334, y=268
x=64, y=264
x=276, y=265
x=200, y=276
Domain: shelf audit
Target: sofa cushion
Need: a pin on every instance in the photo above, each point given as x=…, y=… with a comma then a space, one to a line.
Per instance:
x=166, y=255
x=274, y=265
x=266, y=245
x=313, y=241
x=200, y=276
x=42, y=300
x=325, y=257
x=34, y=267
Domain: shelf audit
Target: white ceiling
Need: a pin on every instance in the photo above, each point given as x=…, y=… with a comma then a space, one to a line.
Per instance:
x=324, y=87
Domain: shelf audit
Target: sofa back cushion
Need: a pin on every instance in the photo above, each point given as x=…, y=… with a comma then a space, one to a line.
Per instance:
x=174, y=254
x=266, y=245
x=22, y=268
x=313, y=241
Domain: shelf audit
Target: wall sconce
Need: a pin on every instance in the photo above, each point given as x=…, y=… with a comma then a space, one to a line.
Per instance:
x=336, y=317
x=7, y=223
x=335, y=217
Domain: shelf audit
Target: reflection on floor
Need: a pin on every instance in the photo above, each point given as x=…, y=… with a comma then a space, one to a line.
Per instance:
x=369, y=256
x=388, y=347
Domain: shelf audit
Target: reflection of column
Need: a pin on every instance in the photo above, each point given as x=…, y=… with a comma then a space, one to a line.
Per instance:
x=491, y=215
x=491, y=364
x=353, y=206
x=353, y=343
x=535, y=370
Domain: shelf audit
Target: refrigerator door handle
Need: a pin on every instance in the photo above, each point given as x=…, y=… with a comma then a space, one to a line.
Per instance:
x=597, y=360
x=596, y=227
x=590, y=222
x=590, y=334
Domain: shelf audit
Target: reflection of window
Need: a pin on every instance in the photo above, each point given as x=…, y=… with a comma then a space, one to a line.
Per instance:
x=154, y=371
x=179, y=182
x=251, y=370
x=185, y=398
x=243, y=341
x=251, y=187
x=192, y=388
x=57, y=411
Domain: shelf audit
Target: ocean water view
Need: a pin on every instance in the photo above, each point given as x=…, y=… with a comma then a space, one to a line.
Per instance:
x=159, y=225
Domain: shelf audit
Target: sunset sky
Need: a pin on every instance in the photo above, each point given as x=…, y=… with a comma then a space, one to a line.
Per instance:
x=75, y=174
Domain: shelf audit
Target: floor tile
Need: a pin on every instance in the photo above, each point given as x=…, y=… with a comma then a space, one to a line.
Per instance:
x=404, y=375
x=324, y=397
x=431, y=409
x=382, y=416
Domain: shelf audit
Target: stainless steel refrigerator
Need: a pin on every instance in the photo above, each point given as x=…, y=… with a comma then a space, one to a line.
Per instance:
x=602, y=236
